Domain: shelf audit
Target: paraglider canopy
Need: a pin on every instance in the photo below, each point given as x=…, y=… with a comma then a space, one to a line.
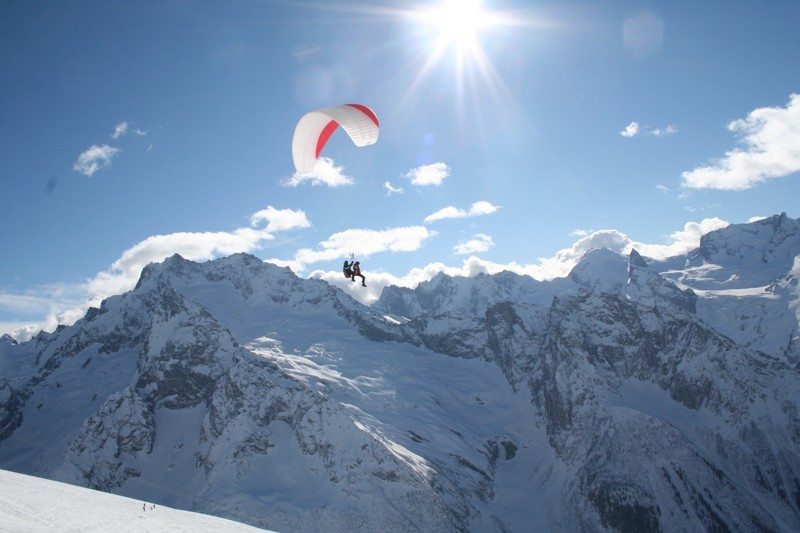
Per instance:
x=316, y=127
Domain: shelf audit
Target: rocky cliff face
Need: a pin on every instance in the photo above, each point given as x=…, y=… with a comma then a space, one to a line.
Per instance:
x=625, y=397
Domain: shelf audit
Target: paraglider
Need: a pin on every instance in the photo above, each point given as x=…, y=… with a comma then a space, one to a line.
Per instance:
x=357, y=273
x=353, y=271
x=316, y=127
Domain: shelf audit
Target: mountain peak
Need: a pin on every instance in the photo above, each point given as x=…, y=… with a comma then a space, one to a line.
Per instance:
x=601, y=270
x=751, y=254
x=635, y=259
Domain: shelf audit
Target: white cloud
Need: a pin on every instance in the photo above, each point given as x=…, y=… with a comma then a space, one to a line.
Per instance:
x=770, y=138
x=476, y=209
x=23, y=303
x=445, y=212
x=391, y=189
x=280, y=219
x=563, y=262
x=482, y=208
x=325, y=173
x=681, y=241
x=193, y=246
x=663, y=132
x=432, y=174
x=560, y=265
x=120, y=130
x=479, y=243
x=95, y=158
x=630, y=130
x=365, y=242
x=57, y=303
x=634, y=128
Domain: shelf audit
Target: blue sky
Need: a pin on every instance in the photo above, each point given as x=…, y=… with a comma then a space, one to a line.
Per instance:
x=515, y=138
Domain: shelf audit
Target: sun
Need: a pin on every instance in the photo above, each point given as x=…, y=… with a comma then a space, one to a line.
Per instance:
x=450, y=35
x=457, y=22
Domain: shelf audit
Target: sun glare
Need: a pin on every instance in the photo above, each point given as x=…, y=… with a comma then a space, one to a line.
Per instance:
x=452, y=43
x=458, y=21
x=454, y=29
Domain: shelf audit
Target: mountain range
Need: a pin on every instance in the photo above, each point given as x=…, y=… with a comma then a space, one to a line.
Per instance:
x=631, y=395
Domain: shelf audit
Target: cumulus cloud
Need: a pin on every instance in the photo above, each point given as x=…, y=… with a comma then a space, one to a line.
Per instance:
x=770, y=148
x=280, y=219
x=94, y=159
x=364, y=242
x=445, y=212
x=565, y=260
x=476, y=209
x=560, y=265
x=482, y=208
x=432, y=174
x=681, y=241
x=325, y=173
x=193, y=246
x=479, y=243
x=630, y=130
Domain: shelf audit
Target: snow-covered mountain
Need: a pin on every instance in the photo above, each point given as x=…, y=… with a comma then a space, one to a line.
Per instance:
x=633, y=395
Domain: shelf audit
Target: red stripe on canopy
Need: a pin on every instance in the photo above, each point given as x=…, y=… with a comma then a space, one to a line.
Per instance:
x=327, y=131
x=367, y=111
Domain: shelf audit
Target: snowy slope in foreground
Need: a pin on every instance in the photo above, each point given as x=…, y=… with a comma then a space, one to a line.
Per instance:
x=33, y=504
